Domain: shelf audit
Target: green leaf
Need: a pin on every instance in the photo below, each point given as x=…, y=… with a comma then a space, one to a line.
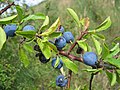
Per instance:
x=114, y=51
x=20, y=12
x=117, y=38
x=27, y=34
x=44, y=48
x=7, y=19
x=118, y=77
x=57, y=62
x=97, y=45
x=23, y=57
x=70, y=65
x=115, y=47
x=34, y=17
x=45, y=24
x=28, y=48
x=118, y=71
x=114, y=78
x=109, y=75
x=52, y=47
x=113, y=61
x=82, y=44
x=55, y=34
x=53, y=27
x=74, y=16
x=105, y=51
x=105, y=25
x=99, y=36
x=2, y=38
x=93, y=70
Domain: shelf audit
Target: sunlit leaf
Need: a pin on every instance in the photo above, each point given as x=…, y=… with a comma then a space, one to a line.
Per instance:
x=115, y=47
x=113, y=61
x=114, y=78
x=53, y=27
x=105, y=51
x=55, y=34
x=7, y=19
x=2, y=38
x=57, y=62
x=82, y=44
x=44, y=48
x=92, y=70
x=27, y=34
x=34, y=17
x=99, y=36
x=20, y=12
x=70, y=65
x=105, y=25
x=114, y=51
x=97, y=45
x=74, y=16
x=45, y=24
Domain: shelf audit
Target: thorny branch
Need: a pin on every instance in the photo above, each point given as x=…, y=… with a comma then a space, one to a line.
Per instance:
x=7, y=7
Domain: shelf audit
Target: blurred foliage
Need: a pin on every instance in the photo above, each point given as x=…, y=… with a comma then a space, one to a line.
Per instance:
x=37, y=76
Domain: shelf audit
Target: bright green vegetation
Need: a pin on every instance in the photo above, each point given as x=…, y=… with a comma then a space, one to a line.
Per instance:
x=14, y=76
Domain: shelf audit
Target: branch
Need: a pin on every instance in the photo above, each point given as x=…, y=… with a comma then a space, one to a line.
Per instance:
x=81, y=36
x=70, y=56
x=69, y=78
x=91, y=79
x=4, y=9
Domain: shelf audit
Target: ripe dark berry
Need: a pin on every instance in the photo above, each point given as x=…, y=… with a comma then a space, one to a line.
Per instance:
x=61, y=81
x=60, y=43
x=43, y=59
x=28, y=28
x=59, y=65
x=61, y=29
x=68, y=36
x=37, y=48
x=10, y=30
x=90, y=58
x=79, y=50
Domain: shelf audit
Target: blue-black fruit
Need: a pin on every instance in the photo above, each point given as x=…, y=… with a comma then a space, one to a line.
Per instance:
x=37, y=48
x=68, y=36
x=28, y=28
x=59, y=65
x=79, y=50
x=61, y=81
x=60, y=43
x=10, y=30
x=43, y=59
x=61, y=29
x=90, y=58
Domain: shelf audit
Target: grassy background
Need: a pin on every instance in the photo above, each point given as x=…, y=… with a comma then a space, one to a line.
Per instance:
x=37, y=76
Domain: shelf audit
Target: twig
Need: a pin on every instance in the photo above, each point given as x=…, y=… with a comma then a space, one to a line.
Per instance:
x=8, y=6
x=69, y=78
x=91, y=79
x=70, y=56
x=85, y=31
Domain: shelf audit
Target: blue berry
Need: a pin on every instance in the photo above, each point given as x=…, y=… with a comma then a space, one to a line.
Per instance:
x=61, y=81
x=60, y=43
x=59, y=65
x=61, y=29
x=10, y=30
x=90, y=58
x=28, y=28
x=68, y=36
